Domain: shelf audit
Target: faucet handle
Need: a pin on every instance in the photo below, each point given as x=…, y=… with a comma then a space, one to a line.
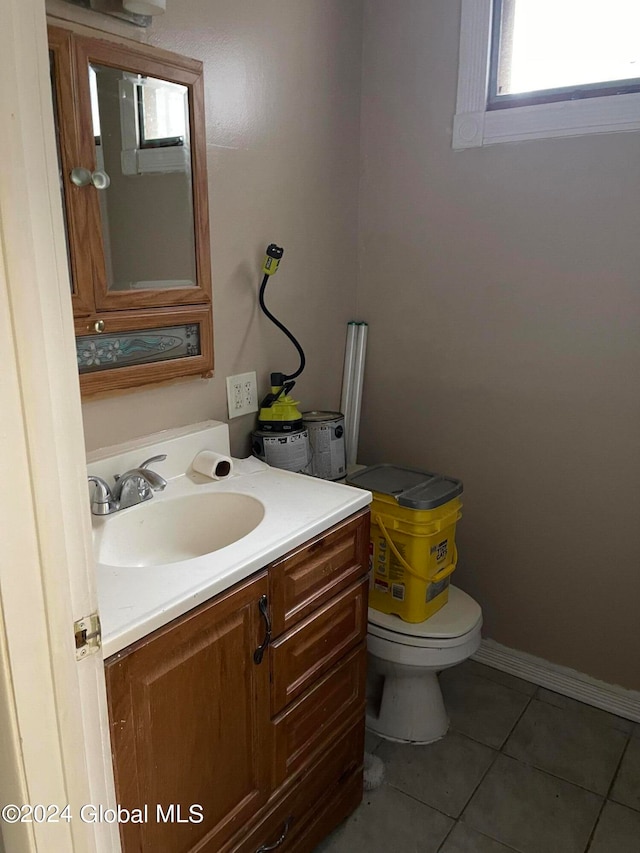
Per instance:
x=102, y=501
x=154, y=480
x=153, y=459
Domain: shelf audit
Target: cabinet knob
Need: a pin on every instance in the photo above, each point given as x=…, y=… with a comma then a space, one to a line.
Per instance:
x=100, y=180
x=99, y=326
x=82, y=177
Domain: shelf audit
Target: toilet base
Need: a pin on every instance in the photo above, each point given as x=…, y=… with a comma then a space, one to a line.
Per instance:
x=405, y=704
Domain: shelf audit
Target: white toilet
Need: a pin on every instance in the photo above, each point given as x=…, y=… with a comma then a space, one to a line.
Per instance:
x=404, y=700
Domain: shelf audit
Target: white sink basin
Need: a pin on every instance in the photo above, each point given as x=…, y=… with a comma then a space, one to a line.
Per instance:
x=164, y=531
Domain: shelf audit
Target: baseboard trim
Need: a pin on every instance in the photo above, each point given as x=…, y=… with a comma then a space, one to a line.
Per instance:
x=561, y=679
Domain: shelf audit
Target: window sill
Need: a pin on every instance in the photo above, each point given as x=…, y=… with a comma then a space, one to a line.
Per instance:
x=545, y=121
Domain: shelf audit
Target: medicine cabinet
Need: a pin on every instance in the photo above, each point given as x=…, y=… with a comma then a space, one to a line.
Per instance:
x=132, y=157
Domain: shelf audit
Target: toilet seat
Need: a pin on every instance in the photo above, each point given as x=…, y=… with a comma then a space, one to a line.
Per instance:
x=448, y=628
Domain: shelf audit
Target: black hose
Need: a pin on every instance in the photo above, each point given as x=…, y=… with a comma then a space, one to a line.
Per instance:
x=284, y=329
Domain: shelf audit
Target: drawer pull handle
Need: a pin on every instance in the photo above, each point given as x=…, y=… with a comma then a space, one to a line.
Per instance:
x=266, y=848
x=263, y=606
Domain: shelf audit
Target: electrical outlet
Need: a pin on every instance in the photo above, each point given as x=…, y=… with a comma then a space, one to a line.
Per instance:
x=249, y=394
x=242, y=394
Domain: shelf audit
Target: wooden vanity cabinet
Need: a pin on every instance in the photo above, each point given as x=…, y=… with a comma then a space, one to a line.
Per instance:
x=271, y=751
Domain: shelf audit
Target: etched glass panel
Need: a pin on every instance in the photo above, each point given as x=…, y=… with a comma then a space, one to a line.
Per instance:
x=121, y=349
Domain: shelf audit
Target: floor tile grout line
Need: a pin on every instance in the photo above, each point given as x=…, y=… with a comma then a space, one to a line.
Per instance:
x=618, y=766
x=554, y=775
x=595, y=825
x=595, y=708
x=418, y=800
x=482, y=778
x=491, y=838
x=445, y=839
x=496, y=681
x=513, y=727
x=615, y=776
x=608, y=794
x=483, y=742
x=483, y=834
x=454, y=731
x=452, y=817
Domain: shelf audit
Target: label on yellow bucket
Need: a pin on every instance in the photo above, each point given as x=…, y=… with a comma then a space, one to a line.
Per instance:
x=387, y=565
x=435, y=589
x=440, y=550
x=410, y=552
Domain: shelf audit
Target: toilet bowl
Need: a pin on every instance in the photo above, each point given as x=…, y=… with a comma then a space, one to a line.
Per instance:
x=404, y=700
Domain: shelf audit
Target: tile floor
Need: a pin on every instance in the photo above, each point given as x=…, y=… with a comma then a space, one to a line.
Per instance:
x=521, y=769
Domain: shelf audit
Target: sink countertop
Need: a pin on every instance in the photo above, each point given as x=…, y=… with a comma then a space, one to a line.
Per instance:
x=134, y=601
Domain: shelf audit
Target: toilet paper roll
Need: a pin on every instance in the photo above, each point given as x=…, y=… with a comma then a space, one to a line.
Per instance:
x=216, y=466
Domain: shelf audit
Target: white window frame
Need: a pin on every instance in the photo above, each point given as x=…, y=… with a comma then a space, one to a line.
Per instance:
x=474, y=125
x=145, y=161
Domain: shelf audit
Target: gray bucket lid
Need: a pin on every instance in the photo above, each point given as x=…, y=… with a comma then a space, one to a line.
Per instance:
x=410, y=487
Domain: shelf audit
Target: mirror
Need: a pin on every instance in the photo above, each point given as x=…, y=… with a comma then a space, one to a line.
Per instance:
x=143, y=174
x=133, y=176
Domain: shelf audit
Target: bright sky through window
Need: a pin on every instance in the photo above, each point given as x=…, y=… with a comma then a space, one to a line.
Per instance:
x=165, y=106
x=559, y=43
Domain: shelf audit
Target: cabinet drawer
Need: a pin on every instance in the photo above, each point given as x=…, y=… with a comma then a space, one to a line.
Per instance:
x=345, y=800
x=293, y=813
x=311, y=575
x=135, y=348
x=310, y=649
x=319, y=714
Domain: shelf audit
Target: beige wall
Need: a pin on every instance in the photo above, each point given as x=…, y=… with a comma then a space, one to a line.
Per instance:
x=500, y=284
x=282, y=84
x=502, y=288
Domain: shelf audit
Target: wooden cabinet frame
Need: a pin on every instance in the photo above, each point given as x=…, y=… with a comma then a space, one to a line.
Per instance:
x=131, y=376
x=92, y=299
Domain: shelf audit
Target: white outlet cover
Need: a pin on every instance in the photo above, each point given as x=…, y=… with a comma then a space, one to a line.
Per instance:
x=242, y=394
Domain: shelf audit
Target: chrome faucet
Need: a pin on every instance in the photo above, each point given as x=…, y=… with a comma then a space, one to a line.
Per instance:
x=129, y=489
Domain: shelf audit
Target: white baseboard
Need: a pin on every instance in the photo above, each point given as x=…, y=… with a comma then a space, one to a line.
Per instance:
x=561, y=679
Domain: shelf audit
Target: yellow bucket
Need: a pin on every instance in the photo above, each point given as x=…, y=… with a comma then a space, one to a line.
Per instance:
x=412, y=552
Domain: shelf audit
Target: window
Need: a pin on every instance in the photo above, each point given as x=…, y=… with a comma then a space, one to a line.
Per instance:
x=162, y=113
x=541, y=68
x=154, y=125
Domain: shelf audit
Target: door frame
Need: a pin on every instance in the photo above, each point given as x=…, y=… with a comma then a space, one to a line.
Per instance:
x=54, y=734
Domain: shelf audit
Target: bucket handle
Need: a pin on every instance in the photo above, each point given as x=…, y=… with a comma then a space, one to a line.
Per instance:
x=439, y=576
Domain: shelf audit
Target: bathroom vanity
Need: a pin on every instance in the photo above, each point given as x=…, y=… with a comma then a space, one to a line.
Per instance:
x=242, y=717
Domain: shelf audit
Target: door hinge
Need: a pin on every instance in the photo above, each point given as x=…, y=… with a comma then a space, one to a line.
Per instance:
x=88, y=635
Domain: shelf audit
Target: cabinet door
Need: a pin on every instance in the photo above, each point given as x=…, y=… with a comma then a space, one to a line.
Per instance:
x=189, y=713
x=77, y=218
x=141, y=132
